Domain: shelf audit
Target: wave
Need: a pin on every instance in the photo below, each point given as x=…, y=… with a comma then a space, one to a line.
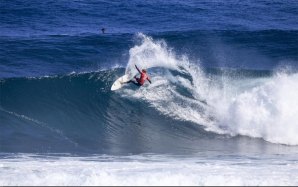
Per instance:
x=259, y=107
x=78, y=113
x=185, y=109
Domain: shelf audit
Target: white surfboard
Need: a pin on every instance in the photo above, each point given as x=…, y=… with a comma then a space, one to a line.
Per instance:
x=119, y=82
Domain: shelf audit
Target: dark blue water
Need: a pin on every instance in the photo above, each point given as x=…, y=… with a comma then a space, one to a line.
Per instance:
x=57, y=67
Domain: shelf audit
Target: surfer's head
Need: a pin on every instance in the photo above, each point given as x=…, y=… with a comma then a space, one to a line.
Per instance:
x=144, y=71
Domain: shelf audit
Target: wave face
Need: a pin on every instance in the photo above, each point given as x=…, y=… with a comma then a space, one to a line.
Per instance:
x=185, y=110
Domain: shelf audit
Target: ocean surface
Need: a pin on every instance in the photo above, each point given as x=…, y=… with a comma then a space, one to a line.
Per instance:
x=222, y=108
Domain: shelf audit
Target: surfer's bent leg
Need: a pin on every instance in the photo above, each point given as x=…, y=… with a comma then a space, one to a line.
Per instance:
x=135, y=83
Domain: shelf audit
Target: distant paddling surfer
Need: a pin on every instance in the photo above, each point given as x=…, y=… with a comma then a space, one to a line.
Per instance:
x=103, y=30
x=143, y=77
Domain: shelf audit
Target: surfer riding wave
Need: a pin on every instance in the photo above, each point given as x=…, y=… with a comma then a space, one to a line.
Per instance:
x=143, y=77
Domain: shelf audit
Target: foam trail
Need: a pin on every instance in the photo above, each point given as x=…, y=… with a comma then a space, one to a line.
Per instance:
x=256, y=107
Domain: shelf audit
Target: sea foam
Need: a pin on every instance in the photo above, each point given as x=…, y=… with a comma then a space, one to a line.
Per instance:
x=145, y=170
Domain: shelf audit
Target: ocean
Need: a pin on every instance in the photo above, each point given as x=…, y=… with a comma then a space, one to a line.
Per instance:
x=222, y=108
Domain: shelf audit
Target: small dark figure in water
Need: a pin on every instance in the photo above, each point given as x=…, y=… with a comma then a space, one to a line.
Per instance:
x=103, y=30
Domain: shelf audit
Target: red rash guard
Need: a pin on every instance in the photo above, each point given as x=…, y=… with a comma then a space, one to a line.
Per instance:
x=142, y=78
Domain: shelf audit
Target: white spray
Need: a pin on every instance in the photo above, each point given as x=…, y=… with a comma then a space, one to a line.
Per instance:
x=264, y=108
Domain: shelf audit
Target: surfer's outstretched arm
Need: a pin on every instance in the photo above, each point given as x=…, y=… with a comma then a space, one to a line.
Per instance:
x=137, y=68
x=149, y=80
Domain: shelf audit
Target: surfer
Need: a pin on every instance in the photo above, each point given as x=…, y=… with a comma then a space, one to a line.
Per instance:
x=103, y=30
x=143, y=77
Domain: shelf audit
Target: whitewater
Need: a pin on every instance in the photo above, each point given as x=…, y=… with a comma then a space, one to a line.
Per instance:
x=147, y=170
x=264, y=107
